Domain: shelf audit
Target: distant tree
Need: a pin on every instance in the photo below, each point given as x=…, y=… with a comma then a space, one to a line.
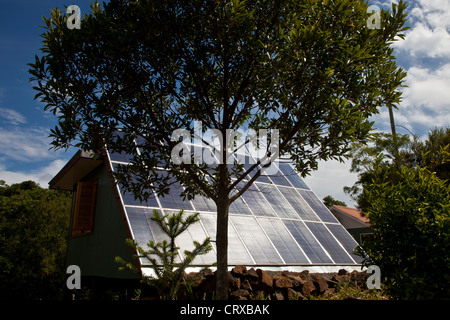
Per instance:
x=313, y=70
x=429, y=152
x=329, y=201
x=412, y=152
x=409, y=212
x=34, y=224
x=363, y=157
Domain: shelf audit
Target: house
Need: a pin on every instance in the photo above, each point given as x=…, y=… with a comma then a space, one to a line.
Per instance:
x=278, y=223
x=352, y=220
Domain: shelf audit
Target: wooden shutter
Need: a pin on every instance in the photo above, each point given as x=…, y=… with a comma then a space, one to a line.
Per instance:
x=84, y=211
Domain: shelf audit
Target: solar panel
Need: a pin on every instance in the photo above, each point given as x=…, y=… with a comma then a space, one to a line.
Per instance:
x=278, y=221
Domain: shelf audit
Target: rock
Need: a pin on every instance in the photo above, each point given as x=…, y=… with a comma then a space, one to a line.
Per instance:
x=307, y=288
x=265, y=280
x=342, y=272
x=297, y=282
x=294, y=295
x=344, y=278
x=252, y=274
x=278, y=295
x=282, y=282
x=208, y=284
x=319, y=282
x=330, y=279
x=233, y=282
x=206, y=272
x=240, y=294
x=304, y=275
x=260, y=296
x=246, y=285
x=239, y=271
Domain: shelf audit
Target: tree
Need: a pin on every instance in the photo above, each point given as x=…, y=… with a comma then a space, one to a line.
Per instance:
x=34, y=226
x=364, y=155
x=312, y=70
x=411, y=152
x=329, y=201
x=431, y=152
x=410, y=216
x=162, y=255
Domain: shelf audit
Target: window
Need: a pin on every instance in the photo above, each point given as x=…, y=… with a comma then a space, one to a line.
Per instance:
x=83, y=218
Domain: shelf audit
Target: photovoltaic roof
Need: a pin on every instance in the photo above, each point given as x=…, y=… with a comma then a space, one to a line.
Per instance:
x=278, y=221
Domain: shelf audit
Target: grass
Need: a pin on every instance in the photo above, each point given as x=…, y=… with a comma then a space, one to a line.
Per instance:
x=347, y=291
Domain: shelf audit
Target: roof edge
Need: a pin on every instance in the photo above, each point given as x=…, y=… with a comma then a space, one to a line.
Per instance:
x=338, y=208
x=82, y=163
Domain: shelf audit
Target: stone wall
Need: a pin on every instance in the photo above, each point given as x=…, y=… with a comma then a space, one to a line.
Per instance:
x=251, y=284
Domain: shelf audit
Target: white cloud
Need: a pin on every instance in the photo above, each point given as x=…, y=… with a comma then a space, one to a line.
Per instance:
x=12, y=116
x=423, y=41
x=330, y=179
x=435, y=12
x=27, y=147
x=429, y=35
x=429, y=88
x=426, y=100
x=25, y=144
x=41, y=176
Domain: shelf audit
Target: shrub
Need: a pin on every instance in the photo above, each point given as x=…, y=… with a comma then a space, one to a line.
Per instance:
x=409, y=209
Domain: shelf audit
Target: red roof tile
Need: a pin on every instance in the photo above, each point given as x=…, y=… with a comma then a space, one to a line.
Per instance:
x=352, y=212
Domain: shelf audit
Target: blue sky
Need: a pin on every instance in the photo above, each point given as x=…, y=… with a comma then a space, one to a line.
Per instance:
x=24, y=126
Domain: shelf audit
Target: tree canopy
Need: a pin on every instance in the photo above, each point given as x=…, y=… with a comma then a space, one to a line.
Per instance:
x=329, y=201
x=409, y=211
x=34, y=226
x=409, y=151
x=312, y=70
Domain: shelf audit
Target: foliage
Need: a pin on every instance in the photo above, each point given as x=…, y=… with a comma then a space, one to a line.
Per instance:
x=412, y=152
x=364, y=155
x=348, y=291
x=34, y=224
x=432, y=151
x=409, y=211
x=311, y=69
x=163, y=255
x=329, y=201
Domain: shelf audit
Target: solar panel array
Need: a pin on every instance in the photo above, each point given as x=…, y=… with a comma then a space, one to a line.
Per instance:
x=278, y=221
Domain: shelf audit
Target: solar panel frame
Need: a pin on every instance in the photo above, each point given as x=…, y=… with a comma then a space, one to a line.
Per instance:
x=329, y=243
x=318, y=207
x=292, y=176
x=283, y=241
x=310, y=245
x=268, y=224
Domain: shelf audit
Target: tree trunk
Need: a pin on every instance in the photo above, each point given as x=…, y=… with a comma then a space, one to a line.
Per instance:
x=223, y=203
x=222, y=248
x=394, y=135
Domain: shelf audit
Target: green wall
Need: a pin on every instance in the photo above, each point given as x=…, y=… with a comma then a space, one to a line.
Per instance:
x=356, y=233
x=95, y=253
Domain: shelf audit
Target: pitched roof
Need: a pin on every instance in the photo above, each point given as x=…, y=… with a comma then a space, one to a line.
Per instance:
x=278, y=221
x=78, y=166
x=355, y=213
